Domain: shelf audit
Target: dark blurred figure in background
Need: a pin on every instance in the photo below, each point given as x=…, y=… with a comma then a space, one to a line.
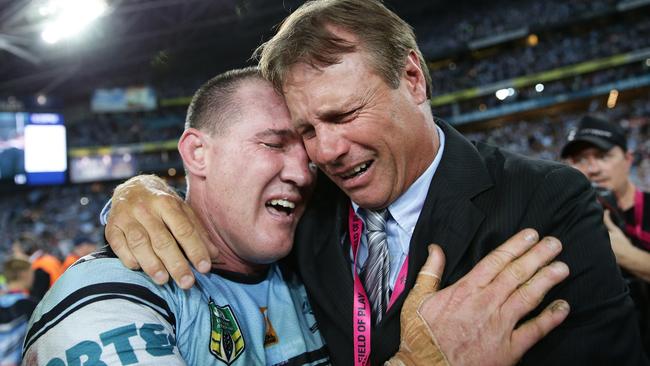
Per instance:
x=599, y=150
x=47, y=268
x=82, y=246
x=16, y=307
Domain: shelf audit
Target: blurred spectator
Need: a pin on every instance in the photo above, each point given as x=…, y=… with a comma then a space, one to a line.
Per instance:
x=598, y=148
x=16, y=307
x=82, y=246
x=47, y=268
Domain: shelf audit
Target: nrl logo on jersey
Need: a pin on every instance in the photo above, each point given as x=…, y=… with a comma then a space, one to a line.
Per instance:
x=226, y=339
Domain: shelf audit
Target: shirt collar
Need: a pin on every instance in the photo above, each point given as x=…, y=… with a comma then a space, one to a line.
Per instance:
x=405, y=210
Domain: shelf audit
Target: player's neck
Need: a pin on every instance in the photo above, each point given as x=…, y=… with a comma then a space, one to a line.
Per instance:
x=625, y=196
x=227, y=259
x=247, y=270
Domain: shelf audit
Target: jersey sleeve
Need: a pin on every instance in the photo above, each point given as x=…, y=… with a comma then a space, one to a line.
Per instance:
x=99, y=314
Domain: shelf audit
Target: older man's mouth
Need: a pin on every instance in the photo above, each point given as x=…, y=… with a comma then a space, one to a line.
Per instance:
x=357, y=170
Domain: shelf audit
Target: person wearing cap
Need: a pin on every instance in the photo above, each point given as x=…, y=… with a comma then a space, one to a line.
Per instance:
x=82, y=246
x=598, y=148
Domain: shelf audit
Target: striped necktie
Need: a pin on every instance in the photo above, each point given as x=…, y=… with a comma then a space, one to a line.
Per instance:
x=376, y=272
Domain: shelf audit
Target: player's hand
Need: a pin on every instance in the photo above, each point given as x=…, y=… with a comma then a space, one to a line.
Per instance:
x=474, y=321
x=150, y=226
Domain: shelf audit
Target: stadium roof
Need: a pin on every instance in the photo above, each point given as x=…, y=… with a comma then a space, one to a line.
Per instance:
x=139, y=37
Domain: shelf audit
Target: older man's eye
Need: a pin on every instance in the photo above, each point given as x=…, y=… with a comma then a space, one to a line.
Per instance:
x=307, y=132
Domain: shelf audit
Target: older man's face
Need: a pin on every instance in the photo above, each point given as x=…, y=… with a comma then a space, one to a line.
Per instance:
x=362, y=133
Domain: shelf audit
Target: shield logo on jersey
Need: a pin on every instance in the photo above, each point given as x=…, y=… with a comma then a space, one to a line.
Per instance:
x=226, y=339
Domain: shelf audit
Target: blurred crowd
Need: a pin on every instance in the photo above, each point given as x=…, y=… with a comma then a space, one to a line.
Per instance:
x=55, y=214
x=562, y=45
x=461, y=23
x=554, y=49
x=124, y=128
x=543, y=138
x=549, y=89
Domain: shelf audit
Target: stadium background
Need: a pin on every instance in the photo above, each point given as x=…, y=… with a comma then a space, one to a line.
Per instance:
x=518, y=74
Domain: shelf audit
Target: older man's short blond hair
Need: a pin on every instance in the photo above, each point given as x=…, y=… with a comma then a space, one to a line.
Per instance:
x=304, y=36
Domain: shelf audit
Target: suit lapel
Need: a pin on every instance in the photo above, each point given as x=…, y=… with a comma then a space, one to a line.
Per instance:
x=329, y=266
x=448, y=217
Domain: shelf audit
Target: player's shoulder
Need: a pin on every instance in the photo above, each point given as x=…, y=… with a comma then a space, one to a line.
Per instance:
x=99, y=289
x=101, y=277
x=100, y=272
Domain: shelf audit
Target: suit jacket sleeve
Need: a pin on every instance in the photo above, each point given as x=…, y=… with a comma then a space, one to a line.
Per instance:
x=602, y=327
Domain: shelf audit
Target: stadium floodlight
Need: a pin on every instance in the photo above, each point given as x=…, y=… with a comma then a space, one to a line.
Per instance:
x=539, y=87
x=66, y=18
x=501, y=94
x=41, y=99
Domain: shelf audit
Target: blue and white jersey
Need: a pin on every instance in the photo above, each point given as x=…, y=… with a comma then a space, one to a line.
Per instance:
x=101, y=313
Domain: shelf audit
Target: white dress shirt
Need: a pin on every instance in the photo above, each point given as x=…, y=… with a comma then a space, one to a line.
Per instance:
x=403, y=215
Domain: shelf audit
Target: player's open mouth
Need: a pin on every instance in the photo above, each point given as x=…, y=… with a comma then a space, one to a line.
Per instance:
x=282, y=206
x=357, y=170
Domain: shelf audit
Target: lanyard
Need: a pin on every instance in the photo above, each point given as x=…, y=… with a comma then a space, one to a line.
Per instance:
x=636, y=230
x=361, y=321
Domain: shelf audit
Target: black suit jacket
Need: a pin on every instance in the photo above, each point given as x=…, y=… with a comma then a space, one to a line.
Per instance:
x=479, y=197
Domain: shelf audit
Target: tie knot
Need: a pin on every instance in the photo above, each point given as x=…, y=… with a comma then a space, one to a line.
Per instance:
x=376, y=220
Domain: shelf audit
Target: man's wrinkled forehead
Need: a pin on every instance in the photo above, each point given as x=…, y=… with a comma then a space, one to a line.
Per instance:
x=343, y=42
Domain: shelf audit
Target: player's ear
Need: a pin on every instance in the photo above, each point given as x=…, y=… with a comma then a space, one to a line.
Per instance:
x=193, y=146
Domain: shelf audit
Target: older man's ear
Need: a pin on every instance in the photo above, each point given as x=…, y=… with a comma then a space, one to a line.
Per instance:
x=414, y=79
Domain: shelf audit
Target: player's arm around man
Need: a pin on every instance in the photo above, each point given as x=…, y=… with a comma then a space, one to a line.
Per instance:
x=511, y=282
